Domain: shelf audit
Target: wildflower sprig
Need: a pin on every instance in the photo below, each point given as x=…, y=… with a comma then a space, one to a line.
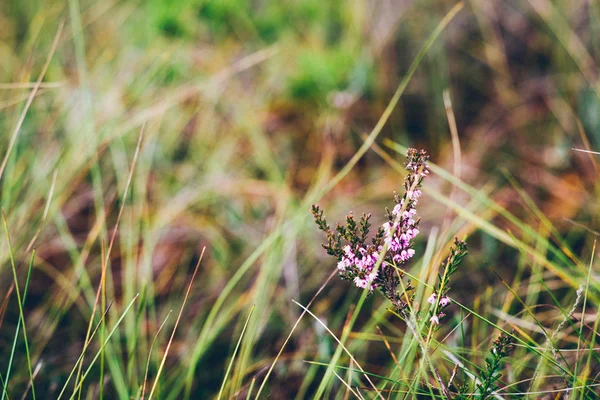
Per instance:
x=375, y=265
x=439, y=298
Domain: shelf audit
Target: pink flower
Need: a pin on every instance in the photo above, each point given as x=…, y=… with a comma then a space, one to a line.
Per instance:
x=432, y=299
x=344, y=264
x=436, y=318
x=365, y=281
x=398, y=207
x=347, y=260
x=444, y=301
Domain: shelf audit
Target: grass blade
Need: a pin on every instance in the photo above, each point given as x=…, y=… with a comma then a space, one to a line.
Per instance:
x=162, y=363
x=150, y=353
x=237, y=346
x=103, y=345
x=20, y=301
x=14, y=345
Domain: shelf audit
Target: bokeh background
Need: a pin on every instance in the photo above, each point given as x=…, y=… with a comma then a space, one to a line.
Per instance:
x=248, y=110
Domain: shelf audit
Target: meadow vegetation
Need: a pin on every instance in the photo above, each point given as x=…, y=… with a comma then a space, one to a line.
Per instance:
x=159, y=162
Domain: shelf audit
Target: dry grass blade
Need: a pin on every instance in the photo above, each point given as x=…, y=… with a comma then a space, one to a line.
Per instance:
x=334, y=273
x=343, y=347
x=37, y=369
x=18, y=99
x=29, y=85
x=150, y=353
x=387, y=345
x=455, y=152
x=82, y=355
x=454, y=133
x=187, y=293
x=586, y=143
x=357, y=394
x=586, y=151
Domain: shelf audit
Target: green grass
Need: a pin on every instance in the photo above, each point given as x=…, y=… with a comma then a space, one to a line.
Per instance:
x=137, y=134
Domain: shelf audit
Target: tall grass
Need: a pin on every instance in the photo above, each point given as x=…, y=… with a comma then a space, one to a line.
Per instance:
x=251, y=112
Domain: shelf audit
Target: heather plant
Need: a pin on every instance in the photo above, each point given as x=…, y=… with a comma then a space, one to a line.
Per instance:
x=377, y=263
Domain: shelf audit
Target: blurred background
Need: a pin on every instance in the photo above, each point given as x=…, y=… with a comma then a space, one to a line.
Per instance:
x=248, y=110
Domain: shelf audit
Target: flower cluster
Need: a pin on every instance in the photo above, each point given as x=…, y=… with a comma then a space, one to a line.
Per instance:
x=441, y=304
x=364, y=265
x=401, y=230
x=375, y=265
x=402, y=226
